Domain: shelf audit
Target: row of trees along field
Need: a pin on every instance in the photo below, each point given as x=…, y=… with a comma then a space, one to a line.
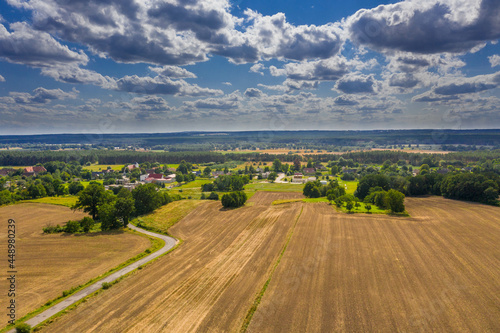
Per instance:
x=383, y=197
x=114, y=211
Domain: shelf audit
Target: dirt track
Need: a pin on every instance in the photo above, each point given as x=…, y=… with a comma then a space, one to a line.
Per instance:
x=439, y=270
x=49, y=264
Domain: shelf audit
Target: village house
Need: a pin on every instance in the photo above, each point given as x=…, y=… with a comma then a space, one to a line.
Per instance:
x=443, y=171
x=131, y=167
x=33, y=171
x=309, y=171
x=216, y=174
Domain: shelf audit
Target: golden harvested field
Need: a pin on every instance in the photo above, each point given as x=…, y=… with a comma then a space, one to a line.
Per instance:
x=208, y=283
x=437, y=271
x=49, y=264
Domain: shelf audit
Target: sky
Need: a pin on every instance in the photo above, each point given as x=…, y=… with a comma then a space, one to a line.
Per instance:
x=121, y=66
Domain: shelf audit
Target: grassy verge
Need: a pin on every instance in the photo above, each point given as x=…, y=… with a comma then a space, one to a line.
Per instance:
x=258, y=298
x=155, y=245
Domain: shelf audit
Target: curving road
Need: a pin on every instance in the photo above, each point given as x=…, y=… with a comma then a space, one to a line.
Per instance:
x=169, y=244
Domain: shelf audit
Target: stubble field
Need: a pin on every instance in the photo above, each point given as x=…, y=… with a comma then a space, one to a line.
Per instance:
x=436, y=271
x=49, y=264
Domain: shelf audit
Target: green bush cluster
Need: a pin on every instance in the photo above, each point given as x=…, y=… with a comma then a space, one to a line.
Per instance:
x=234, y=199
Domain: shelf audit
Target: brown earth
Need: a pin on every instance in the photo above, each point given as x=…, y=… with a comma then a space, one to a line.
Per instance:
x=207, y=284
x=49, y=264
x=437, y=271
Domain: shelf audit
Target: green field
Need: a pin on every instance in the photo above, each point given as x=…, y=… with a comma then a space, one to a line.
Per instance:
x=191, y=189
x=362, y=209
x=102, y=167
x=68, y=201
x=352, y=185
x=165, y=217
x=85, y=183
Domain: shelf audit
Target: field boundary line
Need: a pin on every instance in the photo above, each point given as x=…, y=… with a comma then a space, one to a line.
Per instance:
x=260, y=295
x=169, y=244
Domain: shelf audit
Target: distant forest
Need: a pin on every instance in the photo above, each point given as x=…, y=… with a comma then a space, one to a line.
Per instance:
x=82, y=157
x=206, y=141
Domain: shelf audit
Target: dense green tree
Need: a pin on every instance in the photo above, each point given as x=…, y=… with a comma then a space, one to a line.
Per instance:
x=296, y=165
x=5, y=197
x=277, y=165
x=124, y=208
x=147, y=198
x=185, y=167
x=207, y=172
x=370, y=181
x=108, y=217
x=418, y=185
x=310, y=163
x=395, y=201
x=234, y=199
x=179, y=177
x=349, y=206
x=91, y=198
x=75, y=187
x=272, y=176
x=213, y=196
x=36, y=191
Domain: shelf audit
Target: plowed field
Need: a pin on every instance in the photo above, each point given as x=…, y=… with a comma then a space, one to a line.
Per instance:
x=49, y=264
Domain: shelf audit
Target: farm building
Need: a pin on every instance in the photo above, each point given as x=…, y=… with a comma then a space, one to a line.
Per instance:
x=309, y=171
x=33, y=171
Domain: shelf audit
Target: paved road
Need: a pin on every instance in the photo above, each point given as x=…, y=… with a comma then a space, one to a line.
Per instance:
x=169, y=244
x=280, y=177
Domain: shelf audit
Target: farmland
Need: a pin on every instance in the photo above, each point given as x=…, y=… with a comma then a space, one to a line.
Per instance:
x=49, y=264
x=437, y=269
x=209, y=282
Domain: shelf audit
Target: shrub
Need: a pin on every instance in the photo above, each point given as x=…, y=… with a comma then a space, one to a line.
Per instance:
x=50, y=229
x=106, y=285
x=213, y=196
x=86, y=223
x=72, y=226
x=23, y=328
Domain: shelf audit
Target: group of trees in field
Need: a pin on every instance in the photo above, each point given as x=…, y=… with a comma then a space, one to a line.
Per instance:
x=234, y=199
x=225, y=183
x=315, y=189
x=115, y=210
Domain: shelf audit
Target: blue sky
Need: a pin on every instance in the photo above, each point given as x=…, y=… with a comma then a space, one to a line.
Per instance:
x=129, y=66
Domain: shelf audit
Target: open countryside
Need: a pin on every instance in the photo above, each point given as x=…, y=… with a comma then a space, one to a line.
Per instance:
x=172, y=166
x=363, y=241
